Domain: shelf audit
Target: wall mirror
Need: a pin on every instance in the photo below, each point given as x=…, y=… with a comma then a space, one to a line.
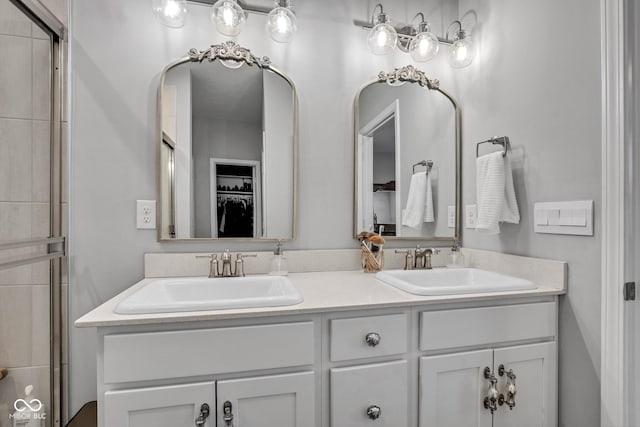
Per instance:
x=407, y=158
x=228, y=147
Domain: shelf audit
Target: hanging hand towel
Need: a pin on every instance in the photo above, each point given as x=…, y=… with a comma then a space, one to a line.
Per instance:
x=413, y=215
x=428, y=203
x=495, y=193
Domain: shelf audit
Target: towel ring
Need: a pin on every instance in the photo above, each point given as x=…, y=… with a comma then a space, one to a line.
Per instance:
x=496, y=140
x=426, y=163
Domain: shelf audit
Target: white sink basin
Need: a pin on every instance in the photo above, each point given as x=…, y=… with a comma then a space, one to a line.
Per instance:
x=448, y=281
x=201, y=293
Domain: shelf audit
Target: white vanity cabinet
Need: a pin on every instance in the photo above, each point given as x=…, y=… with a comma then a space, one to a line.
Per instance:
x=210, y=377
x=457, y=386
x=365, y=393
x=407, y=366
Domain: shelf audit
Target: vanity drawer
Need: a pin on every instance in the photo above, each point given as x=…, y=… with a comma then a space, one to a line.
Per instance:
x=362, y=337
x=358, y=392
x=151, y=356
x=487, y=325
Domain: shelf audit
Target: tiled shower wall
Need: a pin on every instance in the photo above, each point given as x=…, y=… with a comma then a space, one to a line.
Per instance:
x=25, y=137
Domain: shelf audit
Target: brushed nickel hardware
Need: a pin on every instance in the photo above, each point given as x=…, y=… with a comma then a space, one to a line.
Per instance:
x=510, y=399
x=420, y=259
x=52, y=252
x=490, y=401
x=3, y=373
x=496, y=140
x=222, y=267
x=239, y=270
x=408, y=258
x=372, y=339
x=374, y=412
x=204, y=414
x=426, y=163
x=227, y=414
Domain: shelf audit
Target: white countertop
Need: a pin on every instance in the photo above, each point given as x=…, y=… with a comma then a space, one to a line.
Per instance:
x=322, y=292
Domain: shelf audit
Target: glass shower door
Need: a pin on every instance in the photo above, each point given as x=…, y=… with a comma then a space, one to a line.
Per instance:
x=30, y=245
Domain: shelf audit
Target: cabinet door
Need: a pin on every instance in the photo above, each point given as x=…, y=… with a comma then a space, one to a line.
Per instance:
x=452, y=389
x=358, y=393
x=168, y=406
x=534, y=367
x=277, y=400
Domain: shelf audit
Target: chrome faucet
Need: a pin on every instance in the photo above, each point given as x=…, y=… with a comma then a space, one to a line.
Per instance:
x=419, y=259
x=222, y=267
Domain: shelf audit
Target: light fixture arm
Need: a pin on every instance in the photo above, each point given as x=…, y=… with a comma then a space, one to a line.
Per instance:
x=460, y=34
x=374, y=17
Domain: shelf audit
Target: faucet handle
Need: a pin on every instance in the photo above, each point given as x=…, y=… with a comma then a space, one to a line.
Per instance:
x=239, y=270
x=408, y=258
x=210, y=256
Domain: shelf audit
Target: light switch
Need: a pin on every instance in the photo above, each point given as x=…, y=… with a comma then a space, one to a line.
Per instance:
x=564, y=217
x=553, y=216
x=541, y=217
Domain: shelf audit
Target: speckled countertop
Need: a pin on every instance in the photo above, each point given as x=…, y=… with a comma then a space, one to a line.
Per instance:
x=323, y=292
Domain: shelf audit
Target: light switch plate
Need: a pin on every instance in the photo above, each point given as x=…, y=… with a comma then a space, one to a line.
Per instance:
x=564, y=218
x=470, y=216
x=451, y=216
x=145, y=214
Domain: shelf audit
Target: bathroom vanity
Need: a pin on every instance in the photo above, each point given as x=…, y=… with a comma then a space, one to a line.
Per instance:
x=355, y=352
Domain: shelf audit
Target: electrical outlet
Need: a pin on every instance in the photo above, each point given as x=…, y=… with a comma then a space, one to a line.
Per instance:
x=145, y=214
x=471, y=214
x=451, y=217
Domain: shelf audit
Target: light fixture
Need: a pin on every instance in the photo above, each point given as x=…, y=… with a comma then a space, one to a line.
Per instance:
x=228, y=17
x=425, y=45
x=383, y=37
x=418, y=40
x=281, y=22
x=461, y=52
x=171, y=13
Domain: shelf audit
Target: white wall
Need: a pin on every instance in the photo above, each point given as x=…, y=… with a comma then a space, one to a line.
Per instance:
x=536, y=79
x=541, y=87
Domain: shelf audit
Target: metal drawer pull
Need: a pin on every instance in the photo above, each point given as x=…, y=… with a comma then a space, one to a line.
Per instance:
x=373, y=412
x=491, y=399
x=372, y=339
x=228, y=414
x=510, y=399
x=204, y=414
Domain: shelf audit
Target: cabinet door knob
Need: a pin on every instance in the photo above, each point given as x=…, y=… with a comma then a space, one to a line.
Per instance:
x=372, y=339
x=204, y=414
x=373, y=412
x=227, y=411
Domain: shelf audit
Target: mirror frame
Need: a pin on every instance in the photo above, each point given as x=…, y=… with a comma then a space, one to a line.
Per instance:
x=410, y=74
x=227, y=51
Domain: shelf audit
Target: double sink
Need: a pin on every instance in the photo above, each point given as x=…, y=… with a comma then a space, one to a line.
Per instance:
x=198, y=293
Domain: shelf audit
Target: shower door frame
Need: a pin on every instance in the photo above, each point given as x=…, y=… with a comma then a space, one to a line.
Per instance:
x=38, y=13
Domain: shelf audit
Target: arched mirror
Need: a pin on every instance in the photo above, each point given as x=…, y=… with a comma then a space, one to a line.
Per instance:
x=228, y=147
x=407, y=159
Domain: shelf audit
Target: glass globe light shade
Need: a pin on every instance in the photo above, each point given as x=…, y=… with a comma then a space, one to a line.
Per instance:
x=461, y=53
x=171, y=13
x=228, y=17
x=281, y=24
x=382, y=39
x=424, y=47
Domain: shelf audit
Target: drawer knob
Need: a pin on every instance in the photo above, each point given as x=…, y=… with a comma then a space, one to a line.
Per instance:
x=372, y=339
x=373, y=412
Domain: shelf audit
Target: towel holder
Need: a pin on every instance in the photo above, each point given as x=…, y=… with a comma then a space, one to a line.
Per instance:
x=496, y=140
x=426, y=163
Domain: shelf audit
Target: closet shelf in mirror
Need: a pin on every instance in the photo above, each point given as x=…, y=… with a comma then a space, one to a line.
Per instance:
x=389, y=186
x=236, y=192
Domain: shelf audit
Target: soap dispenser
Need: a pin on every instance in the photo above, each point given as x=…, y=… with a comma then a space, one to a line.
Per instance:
x=279, y=262
x=456, y=258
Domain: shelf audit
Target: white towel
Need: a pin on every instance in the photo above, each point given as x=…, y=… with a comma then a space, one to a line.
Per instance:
x=428, y=202
x=495, y=194
x=413, y=215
